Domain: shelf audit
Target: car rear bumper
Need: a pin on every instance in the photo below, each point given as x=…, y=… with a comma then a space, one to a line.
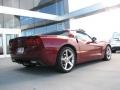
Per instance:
x=28, y=60
x=42, y=57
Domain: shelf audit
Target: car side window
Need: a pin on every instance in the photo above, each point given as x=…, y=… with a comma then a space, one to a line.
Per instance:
x=84, y=37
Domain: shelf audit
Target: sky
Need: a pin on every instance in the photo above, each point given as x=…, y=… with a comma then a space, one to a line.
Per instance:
x=101, y=25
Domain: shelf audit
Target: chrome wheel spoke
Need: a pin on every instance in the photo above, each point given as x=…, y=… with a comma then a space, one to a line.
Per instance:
x=66, y=64
x=67, y=59
x=66, y=53
x=108, y=53
x=70, y=63
x=71, y=56
x=63, y=59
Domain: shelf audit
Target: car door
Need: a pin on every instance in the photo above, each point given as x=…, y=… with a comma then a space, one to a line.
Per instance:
x=89, y=50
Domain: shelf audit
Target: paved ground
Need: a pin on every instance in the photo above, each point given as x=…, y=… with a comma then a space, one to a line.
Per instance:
x=98, y=75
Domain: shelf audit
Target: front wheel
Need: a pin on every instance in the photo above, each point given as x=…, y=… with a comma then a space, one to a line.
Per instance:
x=66, y=59
x=108, y=53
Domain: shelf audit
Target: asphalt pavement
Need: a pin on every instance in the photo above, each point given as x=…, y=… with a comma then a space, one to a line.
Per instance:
x=97, y=75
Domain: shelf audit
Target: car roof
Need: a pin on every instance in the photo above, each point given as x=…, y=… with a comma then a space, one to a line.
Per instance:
x=67, y=30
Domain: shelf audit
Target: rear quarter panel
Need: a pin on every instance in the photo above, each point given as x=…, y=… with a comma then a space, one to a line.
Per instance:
x=53, y=44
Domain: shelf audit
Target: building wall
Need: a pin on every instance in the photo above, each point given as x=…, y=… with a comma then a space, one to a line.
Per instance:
x=5, y=35
x=32, y=26
x=12, y=25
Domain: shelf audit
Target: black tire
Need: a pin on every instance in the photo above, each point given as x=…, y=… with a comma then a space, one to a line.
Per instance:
x=108, y=54
x=65, y=62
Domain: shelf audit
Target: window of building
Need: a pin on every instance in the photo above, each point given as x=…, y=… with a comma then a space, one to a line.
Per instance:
x=11, y=21
x=29, y=32
x=44, y=29
x=55, y=8
x=26, y=20
x=1, y=2
x=11, y=3
x=1, y=44
x=26, y=4
x=51, y=28
x=8, y=37
x=41, y=30
x=1, y=20
x=60, y=26
x=42, y=26
x=60, y=9
x=51, y=9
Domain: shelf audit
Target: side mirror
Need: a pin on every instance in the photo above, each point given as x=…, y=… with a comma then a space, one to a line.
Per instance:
x=94, y=39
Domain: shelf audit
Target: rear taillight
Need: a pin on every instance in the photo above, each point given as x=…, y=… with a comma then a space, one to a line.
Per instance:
x=38, y=41
x=29, y=42
x=34, y=41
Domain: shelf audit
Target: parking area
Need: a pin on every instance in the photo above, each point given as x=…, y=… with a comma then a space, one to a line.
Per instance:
x=97, y=75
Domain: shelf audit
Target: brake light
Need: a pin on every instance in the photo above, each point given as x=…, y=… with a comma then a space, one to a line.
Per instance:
x=29, y=42
x=34, y=41
x=38, y=41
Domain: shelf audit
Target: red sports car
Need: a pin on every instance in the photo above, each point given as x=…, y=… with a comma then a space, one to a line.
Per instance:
x=62, y=49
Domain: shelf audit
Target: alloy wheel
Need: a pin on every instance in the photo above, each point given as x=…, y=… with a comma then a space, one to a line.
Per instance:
x=108, y=53
x=67, y=59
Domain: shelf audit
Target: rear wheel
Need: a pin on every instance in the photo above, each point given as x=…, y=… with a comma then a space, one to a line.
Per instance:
x=66, y=59
x=108, y=53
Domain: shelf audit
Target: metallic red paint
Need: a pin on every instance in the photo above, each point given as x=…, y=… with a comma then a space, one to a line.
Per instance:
x=46, y=49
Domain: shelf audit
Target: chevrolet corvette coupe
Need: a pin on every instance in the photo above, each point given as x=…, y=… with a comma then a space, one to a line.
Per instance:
x=62, y=49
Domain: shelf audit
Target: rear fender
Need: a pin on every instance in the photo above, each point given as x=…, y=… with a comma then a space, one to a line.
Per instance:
x=54, y=44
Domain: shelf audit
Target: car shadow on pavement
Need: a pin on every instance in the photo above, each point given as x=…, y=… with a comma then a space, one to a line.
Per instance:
x=88, y=64
x=20, y=74
x=51, y=71
x=46, y=71
x=38, y=70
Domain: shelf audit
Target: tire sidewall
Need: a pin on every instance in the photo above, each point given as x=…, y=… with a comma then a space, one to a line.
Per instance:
x=59, y=65
x=105, y=56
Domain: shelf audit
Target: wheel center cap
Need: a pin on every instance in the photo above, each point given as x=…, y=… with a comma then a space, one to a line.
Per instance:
x=66, y=60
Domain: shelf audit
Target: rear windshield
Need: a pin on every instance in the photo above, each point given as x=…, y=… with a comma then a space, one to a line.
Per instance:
x=63, y=33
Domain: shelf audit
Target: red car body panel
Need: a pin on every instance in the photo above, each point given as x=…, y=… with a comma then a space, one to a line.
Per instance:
x=47, y=51
x=53, y=44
